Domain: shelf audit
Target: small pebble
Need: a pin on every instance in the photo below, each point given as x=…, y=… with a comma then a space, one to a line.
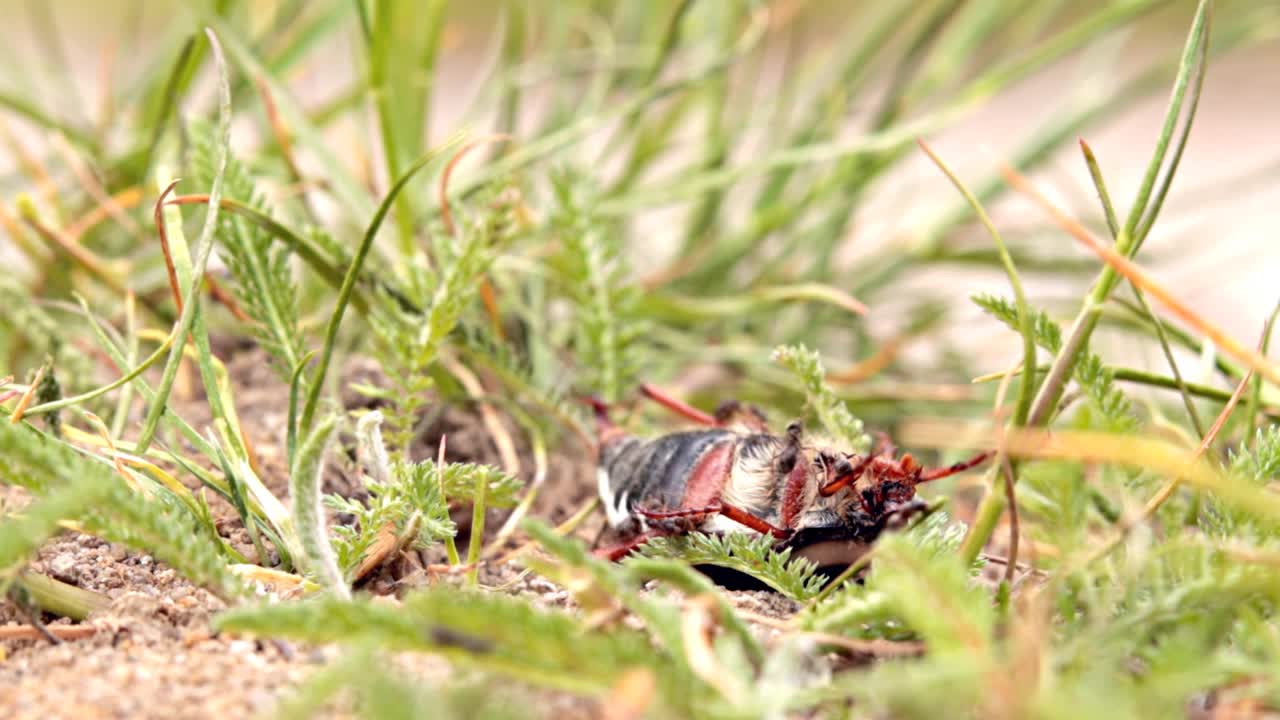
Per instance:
x=63, y=567
x=241, y=647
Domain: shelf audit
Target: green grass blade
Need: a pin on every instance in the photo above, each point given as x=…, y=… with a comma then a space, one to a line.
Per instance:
x=348, y=287
x=1193, y=62
x=187, y=319
x=1026, y=384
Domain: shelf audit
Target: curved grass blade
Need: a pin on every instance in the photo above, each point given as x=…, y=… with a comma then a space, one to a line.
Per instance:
x=188, y=315
x=348, y=287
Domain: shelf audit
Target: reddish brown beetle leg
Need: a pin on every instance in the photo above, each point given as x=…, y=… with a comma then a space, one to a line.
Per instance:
x=683, y=410
x=793, y=495
x=938, y=473
x=617, y=552
x=742, y=517
x=764, y=527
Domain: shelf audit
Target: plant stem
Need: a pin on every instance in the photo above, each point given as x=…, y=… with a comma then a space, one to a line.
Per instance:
x=1193, y=58
x=477, y=529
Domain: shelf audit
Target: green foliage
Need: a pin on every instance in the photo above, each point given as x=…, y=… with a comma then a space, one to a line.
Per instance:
x=264, y=286
x=378, y=695
x=409, y=499
x=159, y=525
x=480, y=630
x=750, y=554
x=697, y=228
x=31, y=332
x=1260, y=460
x=413, y=497
x=607, y=323
x=462, y=479
x=50, y=390
x=748, y=680
x=408, y=344
x=1258, y=464
x=806, y=365
x=22, y=535
x=1091, y=373
x=930, y=591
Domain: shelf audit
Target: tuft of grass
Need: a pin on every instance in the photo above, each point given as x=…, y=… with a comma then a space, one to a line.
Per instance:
x=159, y=524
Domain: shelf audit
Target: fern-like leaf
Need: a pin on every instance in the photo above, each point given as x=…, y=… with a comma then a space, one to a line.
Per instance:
x=1091, y=373
x=487, y=631
x=412, y=495
x=22, y=535
x=752, y=555
x=831, y=411
x=264, y=284
x=869, y=610
x=607, y=318
x=408, y=345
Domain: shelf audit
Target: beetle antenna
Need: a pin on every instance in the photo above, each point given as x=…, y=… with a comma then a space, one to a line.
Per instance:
x=939, y=473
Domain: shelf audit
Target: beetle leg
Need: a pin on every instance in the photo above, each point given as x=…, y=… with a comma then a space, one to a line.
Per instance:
x=738, y=515
x=793, y=496
x=679, y=513
x=682, y=409
x=897, y=516
x=730, y=412
x=760, y=525
x=621, y=550
x=938, y=473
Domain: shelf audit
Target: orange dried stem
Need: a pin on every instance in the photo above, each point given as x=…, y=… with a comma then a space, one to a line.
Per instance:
x=157, y=215
x=443, y=192
x=27, y=397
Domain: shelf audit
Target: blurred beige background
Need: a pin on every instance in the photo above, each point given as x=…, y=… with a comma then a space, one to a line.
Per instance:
x=1215, y=244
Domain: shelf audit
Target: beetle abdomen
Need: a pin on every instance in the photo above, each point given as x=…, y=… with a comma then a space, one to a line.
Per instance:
x=655, y=473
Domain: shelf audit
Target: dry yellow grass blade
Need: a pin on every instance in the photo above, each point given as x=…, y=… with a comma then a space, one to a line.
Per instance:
x=1148, y=453
x=492, y=422
x=816, y=292
x=125, y=199
x=630, y=696
x=278, y=579
x=25, y=401
x=105, y=434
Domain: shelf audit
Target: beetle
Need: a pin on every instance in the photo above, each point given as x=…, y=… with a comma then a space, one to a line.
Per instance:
x=733, y=475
